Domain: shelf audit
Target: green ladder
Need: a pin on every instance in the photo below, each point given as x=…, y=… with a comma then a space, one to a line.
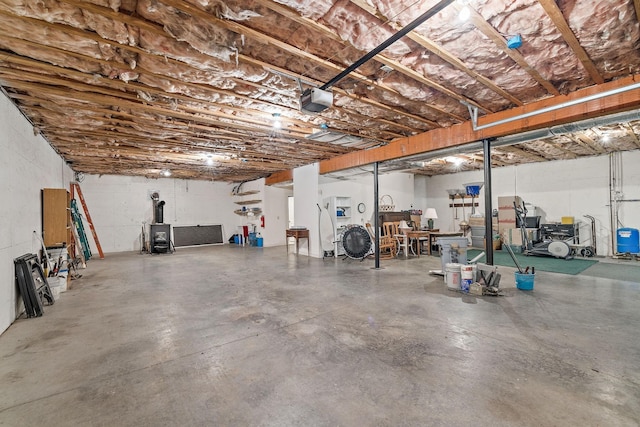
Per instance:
x=82, y=236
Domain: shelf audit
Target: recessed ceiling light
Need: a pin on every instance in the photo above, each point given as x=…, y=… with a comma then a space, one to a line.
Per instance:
x=276, y=121
x=166, y=172
x=605, y=139
x=455, y=160
x=209, y=160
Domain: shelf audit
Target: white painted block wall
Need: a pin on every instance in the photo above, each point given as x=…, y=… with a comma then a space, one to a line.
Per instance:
x=27, y=164
x=120, y=204
x=399, y=186
x=558, y=188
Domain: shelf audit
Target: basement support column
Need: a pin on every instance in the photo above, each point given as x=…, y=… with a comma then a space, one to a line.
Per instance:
x=488, y=223
x=376, y=218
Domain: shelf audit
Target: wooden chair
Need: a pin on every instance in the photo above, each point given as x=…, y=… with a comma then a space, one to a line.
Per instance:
x=392, y=230
x=387, y=244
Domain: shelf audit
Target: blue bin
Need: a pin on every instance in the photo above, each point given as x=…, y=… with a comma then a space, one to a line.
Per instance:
x=628, y=241
x=524, y=282
x=253, y=239
x=260, y=241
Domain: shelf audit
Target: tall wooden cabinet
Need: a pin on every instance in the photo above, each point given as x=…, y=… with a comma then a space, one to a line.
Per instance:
x=56, y=217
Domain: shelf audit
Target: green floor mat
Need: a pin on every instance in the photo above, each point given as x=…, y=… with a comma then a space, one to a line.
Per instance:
x=554, y=265
x=627, y=273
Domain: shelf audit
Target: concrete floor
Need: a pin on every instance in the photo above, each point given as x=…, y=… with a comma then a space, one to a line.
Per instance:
x=233, y=336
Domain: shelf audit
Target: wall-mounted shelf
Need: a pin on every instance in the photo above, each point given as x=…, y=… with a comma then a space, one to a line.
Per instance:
x=246, y=193
x=248, y=212
x=248, y=202
x=465, y=205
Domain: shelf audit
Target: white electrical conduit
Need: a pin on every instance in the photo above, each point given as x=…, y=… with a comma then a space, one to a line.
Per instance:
x=473, y=111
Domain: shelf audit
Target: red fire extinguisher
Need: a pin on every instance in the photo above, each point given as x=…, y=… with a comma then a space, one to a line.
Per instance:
x=262, y=221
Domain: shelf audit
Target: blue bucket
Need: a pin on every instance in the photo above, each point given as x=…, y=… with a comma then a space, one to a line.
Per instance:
x=260, y=241
x=524, y=282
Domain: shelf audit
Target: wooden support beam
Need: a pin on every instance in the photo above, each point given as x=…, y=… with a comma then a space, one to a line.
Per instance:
x=279, y=177
x=198, y=86
x=441, y=52
x=523, y=153
x=554, y=12
x=285, y=72
x=632, y=132
x=558, y=147
x=595, y=145
x=463, y=133
x=583, y=144
x=486, y=28
x=285, y=47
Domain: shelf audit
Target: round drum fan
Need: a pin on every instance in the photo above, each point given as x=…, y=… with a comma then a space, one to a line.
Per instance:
x=356, y=242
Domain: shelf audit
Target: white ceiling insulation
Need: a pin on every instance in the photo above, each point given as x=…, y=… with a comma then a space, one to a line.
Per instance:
x=136, y=87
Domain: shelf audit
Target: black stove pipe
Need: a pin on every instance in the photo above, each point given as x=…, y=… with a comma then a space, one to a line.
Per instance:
x=159, y=212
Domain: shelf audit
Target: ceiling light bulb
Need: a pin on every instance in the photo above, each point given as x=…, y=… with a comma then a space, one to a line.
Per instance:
x=606, y=138
x=465, y=13
x=210, y=161
x=455, y=160
x=277, y=124
x=166, y=172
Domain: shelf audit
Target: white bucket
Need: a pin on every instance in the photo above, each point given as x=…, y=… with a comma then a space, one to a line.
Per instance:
x=452, y=276
x=466, y=272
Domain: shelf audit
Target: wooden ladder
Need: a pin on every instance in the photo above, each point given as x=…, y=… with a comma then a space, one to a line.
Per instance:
x=76, y=186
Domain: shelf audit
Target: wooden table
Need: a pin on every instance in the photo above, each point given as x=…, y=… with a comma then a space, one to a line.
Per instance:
x=298, y=233
x=416, y=235
x=434, y=235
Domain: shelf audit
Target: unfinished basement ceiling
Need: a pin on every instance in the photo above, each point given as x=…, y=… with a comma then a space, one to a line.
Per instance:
x=194, y=87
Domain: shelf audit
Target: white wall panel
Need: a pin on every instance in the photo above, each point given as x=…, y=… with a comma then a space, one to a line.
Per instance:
x=119, y=205
x=306, y=197
x=560, y=188
x=28, y=164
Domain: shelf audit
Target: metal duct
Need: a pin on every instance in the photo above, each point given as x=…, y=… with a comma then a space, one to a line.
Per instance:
x=474, y=115
x=627, y=116
x=514, y=139
x=567, y=128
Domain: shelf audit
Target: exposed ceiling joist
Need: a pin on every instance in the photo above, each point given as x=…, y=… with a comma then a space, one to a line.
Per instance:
x=153, y=84
x=500, y=41
x=554, y=12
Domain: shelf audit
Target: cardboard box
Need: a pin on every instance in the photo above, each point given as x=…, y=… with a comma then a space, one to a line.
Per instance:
x=506, y=225
x=507, y=202
x=506, y=215
x=476, y=221
x=512, y=236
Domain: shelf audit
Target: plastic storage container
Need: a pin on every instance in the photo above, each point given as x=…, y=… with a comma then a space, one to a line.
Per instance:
x=452, y=250
x=628, y=241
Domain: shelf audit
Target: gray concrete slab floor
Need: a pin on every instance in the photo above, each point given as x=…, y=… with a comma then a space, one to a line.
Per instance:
x=239, y=336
